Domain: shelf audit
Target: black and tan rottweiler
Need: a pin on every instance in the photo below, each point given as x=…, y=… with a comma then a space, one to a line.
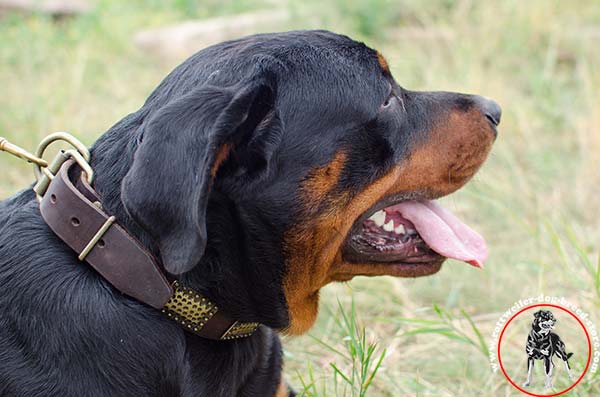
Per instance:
x=260, y=170
x=543, y=344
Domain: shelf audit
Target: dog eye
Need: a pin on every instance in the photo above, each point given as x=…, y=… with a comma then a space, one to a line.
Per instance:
x=388, y=101
x=391, y=99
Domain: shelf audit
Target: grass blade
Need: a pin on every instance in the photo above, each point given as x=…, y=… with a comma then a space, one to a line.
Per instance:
x=341, y=374
x=482, y=344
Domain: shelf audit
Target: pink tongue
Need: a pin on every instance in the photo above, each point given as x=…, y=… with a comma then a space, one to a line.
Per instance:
x=443, y=232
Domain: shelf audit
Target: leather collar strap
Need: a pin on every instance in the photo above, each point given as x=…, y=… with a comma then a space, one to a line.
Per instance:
x=72, y=209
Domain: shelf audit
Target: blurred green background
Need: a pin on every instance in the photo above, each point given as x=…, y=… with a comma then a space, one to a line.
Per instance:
x=537, y=199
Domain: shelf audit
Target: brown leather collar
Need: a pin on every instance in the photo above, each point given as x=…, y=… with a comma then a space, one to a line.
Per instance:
x=73, y=210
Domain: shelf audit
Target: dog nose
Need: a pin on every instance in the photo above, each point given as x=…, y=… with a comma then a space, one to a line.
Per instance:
x=491, y=110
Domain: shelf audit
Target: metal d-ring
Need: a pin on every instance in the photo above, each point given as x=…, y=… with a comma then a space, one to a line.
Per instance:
x=82, y=151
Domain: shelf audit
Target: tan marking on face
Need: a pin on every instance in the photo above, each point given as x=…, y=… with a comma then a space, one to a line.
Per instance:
x=454, y=150
x=220, y=158
x=312, y=249
x=383, y=62
x=322, y=180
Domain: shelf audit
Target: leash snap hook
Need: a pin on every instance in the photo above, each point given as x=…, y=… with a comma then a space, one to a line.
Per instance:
x=21, y=153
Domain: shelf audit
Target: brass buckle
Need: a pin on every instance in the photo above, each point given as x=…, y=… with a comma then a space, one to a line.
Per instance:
x=45, y=174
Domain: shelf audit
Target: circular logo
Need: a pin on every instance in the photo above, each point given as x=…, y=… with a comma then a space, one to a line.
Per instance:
x=543, y=348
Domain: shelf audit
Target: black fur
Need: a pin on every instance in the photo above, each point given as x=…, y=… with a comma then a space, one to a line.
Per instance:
x=285, y=103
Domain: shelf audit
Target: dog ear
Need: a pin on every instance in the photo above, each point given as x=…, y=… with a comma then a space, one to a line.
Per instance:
x=537, y=314
x=184, y=143
x=253, y=154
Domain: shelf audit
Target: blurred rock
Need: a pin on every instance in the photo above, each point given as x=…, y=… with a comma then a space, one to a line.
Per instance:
x=181, y=40
x=54, y=8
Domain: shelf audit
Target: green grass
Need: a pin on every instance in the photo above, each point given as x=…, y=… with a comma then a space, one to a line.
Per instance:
x=536, y=199
x=361, y=360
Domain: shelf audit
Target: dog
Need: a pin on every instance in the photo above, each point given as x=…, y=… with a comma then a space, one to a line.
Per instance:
x=260, y=170
x=543, y=344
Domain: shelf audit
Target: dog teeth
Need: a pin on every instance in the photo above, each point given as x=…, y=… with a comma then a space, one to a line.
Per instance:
x=400, y=229
x=378, y=218
x=389, y=227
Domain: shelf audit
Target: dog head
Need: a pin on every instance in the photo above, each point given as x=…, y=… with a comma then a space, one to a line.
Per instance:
x=543, y=321
x=270, y=166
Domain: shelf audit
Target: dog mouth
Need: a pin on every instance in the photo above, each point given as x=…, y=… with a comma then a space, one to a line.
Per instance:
x=546, y=325
x=417, y=234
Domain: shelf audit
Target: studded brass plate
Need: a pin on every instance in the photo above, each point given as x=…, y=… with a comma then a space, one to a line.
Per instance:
x=239, y=330
x=188, y=308
x=193, y=311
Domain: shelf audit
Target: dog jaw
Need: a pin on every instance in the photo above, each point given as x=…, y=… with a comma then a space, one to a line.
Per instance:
x=455, y=150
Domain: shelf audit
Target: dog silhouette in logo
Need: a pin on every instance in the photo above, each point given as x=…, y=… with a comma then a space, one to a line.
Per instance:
x=543, y=344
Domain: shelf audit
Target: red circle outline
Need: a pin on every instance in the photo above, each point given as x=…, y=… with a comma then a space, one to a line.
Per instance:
x=584, y=330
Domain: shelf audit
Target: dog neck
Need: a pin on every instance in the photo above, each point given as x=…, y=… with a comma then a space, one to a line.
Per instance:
x=226, y=274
